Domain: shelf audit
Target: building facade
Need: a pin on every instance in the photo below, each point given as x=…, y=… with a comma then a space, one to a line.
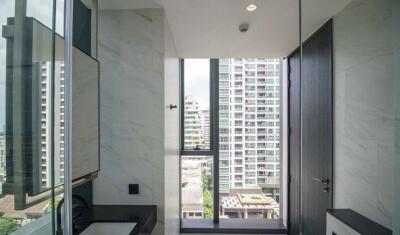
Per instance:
x=194, y=125
x=249, y=109
x=46, y=124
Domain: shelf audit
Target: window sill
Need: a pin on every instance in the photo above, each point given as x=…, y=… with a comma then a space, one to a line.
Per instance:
x=233, y=226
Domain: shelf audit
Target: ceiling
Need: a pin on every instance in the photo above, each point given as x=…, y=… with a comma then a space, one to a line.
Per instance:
x=209, y=28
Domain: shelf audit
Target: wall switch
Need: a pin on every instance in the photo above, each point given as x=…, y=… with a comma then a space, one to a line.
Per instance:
x=133, y=188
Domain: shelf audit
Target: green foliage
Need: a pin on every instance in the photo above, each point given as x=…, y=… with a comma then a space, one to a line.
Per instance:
x=207, y=205
x=207, y=197
x=206, y=180
x=7, y=226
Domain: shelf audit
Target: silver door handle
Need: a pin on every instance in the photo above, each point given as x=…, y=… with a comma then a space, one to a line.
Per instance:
x=325, y=189
x=323, y=181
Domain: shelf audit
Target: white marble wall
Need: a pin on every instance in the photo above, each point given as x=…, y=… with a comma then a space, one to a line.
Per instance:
x=171, y=68
x=131, y=55
x=364, y=115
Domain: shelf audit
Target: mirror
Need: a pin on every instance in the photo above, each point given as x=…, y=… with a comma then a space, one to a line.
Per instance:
x=46, y=114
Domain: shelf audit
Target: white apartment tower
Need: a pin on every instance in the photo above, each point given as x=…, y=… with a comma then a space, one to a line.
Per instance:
x=194, y=131
x=46, y=110
x=249, y=124
x=2, y=159
x=205, y=126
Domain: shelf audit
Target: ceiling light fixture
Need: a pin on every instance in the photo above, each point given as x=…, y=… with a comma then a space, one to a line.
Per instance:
x=251, y=7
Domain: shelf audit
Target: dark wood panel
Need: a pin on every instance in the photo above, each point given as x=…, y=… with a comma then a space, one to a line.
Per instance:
x=316, y=113
x=294, y=141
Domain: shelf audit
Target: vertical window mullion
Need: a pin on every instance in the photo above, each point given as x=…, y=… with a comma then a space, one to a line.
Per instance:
x=214, y=109
x=182, y=103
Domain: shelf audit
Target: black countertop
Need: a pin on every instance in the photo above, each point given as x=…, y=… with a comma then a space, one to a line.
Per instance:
x=359, y=222
x=145, y=217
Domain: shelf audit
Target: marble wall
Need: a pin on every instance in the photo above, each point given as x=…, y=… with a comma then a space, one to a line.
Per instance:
x=131, y=55
x=364, y=115
x=171, y=69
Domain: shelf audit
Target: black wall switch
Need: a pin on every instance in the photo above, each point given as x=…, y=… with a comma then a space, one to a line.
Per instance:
x=133, y=189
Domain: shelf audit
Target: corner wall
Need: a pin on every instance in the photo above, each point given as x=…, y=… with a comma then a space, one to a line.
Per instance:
x=364, y=110
x=131, y=55
x=171, y=122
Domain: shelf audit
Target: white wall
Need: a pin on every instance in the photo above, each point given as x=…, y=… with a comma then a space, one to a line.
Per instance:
x=171, y=122
x=364, y=115
x=131, y=55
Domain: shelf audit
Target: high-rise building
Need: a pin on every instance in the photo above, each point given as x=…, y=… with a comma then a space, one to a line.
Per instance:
x=194, y=131
x=249, y=124
x=205, y=126
x=2, y=159
x=46, y=110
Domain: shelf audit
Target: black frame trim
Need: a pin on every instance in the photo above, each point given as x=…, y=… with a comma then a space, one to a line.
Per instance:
x=234, y=226
x=193, y=152
x=214, y=134
x=217, y=225
x=214, y=128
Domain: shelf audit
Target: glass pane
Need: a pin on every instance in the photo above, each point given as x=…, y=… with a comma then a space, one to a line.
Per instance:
x=249, y=122
x=196, y=187
x=197, y=104
x=26, y=116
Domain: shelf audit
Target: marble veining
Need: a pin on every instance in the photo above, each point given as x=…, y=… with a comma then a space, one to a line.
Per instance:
x=131, y=55
x=364, y=116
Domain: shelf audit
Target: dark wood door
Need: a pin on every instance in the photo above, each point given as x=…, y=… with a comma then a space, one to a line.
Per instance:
x=316, y=115
x=294, y=141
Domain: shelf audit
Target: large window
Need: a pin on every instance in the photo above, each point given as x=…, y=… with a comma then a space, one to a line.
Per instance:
x=196, y=104
x=249, y=138
x=239, y=178
x=197, y=158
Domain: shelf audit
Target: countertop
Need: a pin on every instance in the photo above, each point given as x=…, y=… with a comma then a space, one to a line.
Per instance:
x=145, y=217
x=358, y=222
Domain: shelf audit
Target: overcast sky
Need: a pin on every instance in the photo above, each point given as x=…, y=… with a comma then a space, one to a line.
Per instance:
x=197, y=81
x=40, y=10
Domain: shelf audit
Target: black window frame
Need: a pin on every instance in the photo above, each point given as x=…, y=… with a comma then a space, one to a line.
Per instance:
x=214, y=134
x=201, y=152
x=215, y=225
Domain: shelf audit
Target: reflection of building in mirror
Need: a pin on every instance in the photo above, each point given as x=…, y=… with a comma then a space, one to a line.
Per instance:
x=43, y=114
x=2, y=159
x=45, y=123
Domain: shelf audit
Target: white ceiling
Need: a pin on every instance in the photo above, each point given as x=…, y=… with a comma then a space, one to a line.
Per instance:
x=209, y=28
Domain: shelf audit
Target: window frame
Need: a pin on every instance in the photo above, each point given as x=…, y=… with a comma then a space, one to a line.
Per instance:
x=193, y=152
x=217, y=225
x=214, y=135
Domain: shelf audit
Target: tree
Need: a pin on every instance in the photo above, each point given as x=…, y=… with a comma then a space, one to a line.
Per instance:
x=207, y=197
x=207, y=205
x=7, y=226
x=206, y=180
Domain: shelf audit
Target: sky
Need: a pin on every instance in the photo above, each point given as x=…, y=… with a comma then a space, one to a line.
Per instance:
x=40, y=10
x=197, y=81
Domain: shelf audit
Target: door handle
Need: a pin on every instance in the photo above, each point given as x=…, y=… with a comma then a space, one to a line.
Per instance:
x=325, y=189
x=323, y=181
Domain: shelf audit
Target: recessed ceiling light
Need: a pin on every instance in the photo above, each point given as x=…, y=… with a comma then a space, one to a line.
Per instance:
x=251, y=7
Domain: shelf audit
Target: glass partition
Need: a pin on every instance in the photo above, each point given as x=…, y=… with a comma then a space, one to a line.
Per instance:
x=29, y=149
